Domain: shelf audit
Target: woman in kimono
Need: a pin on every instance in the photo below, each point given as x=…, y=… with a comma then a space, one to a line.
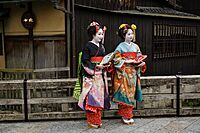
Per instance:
x=128, y=64
x=94, y=96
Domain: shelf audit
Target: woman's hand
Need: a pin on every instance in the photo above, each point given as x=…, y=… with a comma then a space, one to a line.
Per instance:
x=100, y=66
x=108, y=64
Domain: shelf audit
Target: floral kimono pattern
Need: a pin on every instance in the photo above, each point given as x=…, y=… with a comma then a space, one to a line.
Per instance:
x=95, y=89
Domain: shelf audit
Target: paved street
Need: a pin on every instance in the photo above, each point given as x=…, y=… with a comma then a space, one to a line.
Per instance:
x=142, y=125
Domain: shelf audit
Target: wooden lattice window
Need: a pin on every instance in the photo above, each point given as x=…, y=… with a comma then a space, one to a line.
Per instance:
x=174, y=40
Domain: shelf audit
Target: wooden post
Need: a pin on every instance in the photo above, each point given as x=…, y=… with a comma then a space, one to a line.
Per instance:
x=68, y=35
x=28, y=21
x=31, y=40
x=73, y=47
x=177, y=95
x=31, y=45
x=25, y=100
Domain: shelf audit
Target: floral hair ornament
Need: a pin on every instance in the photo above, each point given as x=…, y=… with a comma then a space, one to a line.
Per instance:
x=134, y=27
x=125, y=28
x=122, y=25
x=94, y=24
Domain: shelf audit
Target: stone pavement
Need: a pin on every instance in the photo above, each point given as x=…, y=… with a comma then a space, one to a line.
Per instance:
x=142, y=125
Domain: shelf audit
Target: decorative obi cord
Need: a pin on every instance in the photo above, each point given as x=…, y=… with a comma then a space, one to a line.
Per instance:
x=96, y=59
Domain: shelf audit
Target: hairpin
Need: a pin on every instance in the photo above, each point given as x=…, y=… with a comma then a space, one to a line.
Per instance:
x=104, y=29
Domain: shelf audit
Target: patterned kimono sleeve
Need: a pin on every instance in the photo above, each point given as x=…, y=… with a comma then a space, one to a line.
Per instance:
x=143, y=68
x=139, y=53
x=118, y=59
x=88, y=66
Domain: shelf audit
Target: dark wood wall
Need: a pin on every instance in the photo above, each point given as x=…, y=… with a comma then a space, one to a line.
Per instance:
x=192, y=7
x=109, y=4
x=162, y=66
x=152, y=3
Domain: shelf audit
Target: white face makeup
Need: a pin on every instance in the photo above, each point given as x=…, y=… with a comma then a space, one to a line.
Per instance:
x=129, y=36
x=99, y=36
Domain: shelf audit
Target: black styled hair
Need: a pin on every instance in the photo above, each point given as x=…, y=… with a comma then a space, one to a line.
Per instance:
x=91, y=31
x=93, y=28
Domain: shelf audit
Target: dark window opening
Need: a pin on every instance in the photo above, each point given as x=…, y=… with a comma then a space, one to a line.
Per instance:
x=174, y=40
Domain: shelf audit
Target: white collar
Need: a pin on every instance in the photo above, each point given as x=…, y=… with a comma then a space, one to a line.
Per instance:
x=97, y=44
x=129, y=44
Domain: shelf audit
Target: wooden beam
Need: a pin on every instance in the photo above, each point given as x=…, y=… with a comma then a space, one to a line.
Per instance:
x=190, y=96
x=51, y=100
x=11, y=101
x=56, y=69
x=159, y=96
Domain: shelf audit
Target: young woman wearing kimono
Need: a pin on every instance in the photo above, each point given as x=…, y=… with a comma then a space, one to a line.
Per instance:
x=94, y=96
x=128, y=64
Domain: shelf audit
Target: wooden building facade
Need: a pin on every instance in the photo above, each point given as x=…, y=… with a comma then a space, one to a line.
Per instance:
x=45, y=47
x=169, y=37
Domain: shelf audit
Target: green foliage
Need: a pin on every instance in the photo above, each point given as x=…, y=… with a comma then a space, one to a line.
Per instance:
x=191, y=103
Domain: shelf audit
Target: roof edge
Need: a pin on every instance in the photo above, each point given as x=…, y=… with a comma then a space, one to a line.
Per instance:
x=136, y=12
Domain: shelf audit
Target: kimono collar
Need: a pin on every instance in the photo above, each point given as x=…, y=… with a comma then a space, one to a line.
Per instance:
x=129, y=44
x=97, y=44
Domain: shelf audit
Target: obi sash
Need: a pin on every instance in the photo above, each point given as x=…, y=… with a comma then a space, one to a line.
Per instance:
x=96, y=59
x=134, y=56
x=129, y=55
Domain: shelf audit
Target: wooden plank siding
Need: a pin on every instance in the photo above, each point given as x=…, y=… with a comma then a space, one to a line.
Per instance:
x=188, y=64
x=49, y=52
